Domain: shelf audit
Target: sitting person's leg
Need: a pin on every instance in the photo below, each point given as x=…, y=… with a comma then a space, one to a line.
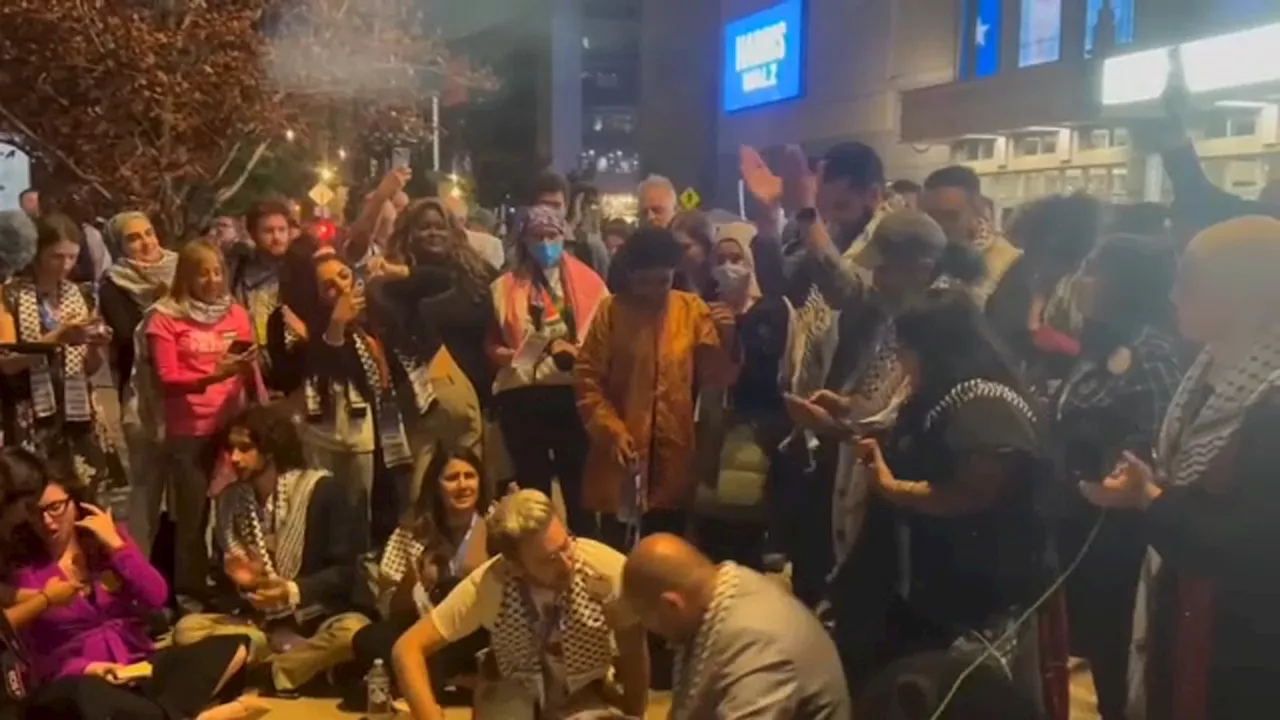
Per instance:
x=375, y=640
x=89, y=698
x=185, y=679
x=328, y=647
x=194, y=628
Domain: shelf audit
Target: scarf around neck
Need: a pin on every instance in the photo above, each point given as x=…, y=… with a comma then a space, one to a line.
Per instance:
x=144, y=282
x=519, y=636
x=694, y=662
x=31, y=326
x=1190, y=440
x=195, y=310
x=240, y=526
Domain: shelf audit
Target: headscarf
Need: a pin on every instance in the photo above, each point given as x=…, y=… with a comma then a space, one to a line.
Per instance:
x=541, y=219
x=743, y=240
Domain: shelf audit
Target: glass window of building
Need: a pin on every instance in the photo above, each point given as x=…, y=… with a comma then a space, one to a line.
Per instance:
x=1040, y=32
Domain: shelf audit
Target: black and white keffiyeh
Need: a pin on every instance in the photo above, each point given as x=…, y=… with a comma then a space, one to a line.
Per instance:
x=694, y=662
x=144, y=282
x=72, y=307
x=1190, y=440
x=390, y=422
x=244, y=525
x=585, y=634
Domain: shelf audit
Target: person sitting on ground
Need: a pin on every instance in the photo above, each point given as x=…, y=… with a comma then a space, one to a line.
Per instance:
x=290, y=538
x=93, y=650
x=746, y=647
x=551, y=603
x=441, y=541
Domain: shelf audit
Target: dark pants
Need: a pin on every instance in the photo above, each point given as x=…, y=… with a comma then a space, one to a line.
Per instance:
x=189, y=464
x=375, y=641
x=545, y=439
x=1100, y=599
x=388, y=501
x=738, y=541
x=183, y=682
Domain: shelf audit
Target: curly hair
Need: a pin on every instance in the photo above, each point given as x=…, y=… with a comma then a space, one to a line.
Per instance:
x=426, y=519
x=472, y=268
x=273, y=433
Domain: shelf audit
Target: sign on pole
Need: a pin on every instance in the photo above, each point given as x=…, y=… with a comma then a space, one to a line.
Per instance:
x=690, y=199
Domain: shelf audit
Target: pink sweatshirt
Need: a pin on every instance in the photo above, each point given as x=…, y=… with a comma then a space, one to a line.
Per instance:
x=183, y=351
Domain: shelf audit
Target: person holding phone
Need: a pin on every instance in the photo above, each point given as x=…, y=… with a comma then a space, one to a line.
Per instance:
x=89, y=650
x=47, y=398
x=190, y=354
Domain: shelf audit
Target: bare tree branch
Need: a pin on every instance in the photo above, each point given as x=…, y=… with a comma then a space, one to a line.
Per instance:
x=226, y=193
x=68, y=162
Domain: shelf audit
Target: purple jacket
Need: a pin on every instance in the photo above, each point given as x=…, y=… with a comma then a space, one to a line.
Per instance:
x=64, y=640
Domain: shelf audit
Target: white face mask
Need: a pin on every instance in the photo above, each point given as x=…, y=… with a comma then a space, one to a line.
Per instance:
x=731, y=279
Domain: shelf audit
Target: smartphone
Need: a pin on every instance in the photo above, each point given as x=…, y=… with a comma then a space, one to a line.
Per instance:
x=240, y=347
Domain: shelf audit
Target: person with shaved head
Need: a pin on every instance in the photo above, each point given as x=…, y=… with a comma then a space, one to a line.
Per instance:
x=745, y=647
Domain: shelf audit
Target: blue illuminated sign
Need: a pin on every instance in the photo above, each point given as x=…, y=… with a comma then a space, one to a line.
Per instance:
x=1121, y=21
x=987, y=30
x=764, y=57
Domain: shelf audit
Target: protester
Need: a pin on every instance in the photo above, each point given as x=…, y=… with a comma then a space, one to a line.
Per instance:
x=953, y=197
x=141, y=276
x=199, y=352
x=739, y=429
x=548, y=600
x=746, y=646
x=17, y=242
x=437, y=290
x=29, y=202
x=47, y=398
x=546, y=306
x=657, y=202
x=361, y=396
x=254, y=278
x=615, y=233
x=904, y=194
x=289, y=538
x=635, y=378
x=488, y=245
x=441, y=541
x=694, y=232
x=961, y=468
x=98, y=639
x=1111, y=402
x=1208, y=503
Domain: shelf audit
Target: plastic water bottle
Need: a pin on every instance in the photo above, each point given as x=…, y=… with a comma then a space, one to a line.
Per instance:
x=378, y=691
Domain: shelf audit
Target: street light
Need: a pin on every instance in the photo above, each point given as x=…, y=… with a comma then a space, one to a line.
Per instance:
x=290, y=135
x=326, y=173
x=342, y=153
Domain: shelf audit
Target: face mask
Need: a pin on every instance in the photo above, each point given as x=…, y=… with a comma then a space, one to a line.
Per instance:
x=547, y=254
x=731, y=279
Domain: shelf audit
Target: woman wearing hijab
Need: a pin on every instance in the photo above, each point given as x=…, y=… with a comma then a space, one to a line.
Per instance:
x=197, y=356
x=1205, y=623
x=739, y=429
x=138, y=278
x=545, y=307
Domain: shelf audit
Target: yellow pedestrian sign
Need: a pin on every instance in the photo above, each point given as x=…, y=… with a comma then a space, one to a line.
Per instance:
x=321, y=194
x=690, y=199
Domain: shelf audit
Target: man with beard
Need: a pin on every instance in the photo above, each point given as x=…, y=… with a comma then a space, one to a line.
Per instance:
x=290, y=539
x=745, y=647
x=255, y=272
x=953, y=197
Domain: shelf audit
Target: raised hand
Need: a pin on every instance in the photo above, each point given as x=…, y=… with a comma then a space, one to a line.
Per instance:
x=101, y=524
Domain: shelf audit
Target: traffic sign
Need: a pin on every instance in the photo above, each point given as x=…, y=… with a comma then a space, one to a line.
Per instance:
x=690, y=199
x=321, y=194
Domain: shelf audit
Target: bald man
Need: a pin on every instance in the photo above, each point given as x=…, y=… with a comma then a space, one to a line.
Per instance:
x=745, y=647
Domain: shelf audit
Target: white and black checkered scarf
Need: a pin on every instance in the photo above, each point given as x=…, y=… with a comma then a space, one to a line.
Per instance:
x=72, y=307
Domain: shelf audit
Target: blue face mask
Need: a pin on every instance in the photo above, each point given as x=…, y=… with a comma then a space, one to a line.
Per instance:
x=547, y=254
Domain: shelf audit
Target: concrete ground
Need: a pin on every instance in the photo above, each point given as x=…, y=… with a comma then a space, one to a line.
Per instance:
x=328, y=710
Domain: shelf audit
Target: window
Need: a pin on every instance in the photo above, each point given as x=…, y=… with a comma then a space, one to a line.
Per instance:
x=1040, y=32
x=1035, y=144
x=1229, y=126
x=973, y=149
x=1103, y=138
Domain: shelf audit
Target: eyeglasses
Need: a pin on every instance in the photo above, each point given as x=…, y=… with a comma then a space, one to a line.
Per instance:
x=57, y=508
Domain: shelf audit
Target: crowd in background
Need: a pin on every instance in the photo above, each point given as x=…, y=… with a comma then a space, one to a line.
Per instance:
x=556, y=460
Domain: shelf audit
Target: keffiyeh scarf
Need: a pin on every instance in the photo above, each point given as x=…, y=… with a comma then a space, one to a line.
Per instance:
x=694, y=663
x=144, y=282
x=32, y=324
x=392, y=438
x=206, y=313
x=519, y=636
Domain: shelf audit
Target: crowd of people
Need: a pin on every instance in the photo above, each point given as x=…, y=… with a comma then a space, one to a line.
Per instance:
x=867, y=454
